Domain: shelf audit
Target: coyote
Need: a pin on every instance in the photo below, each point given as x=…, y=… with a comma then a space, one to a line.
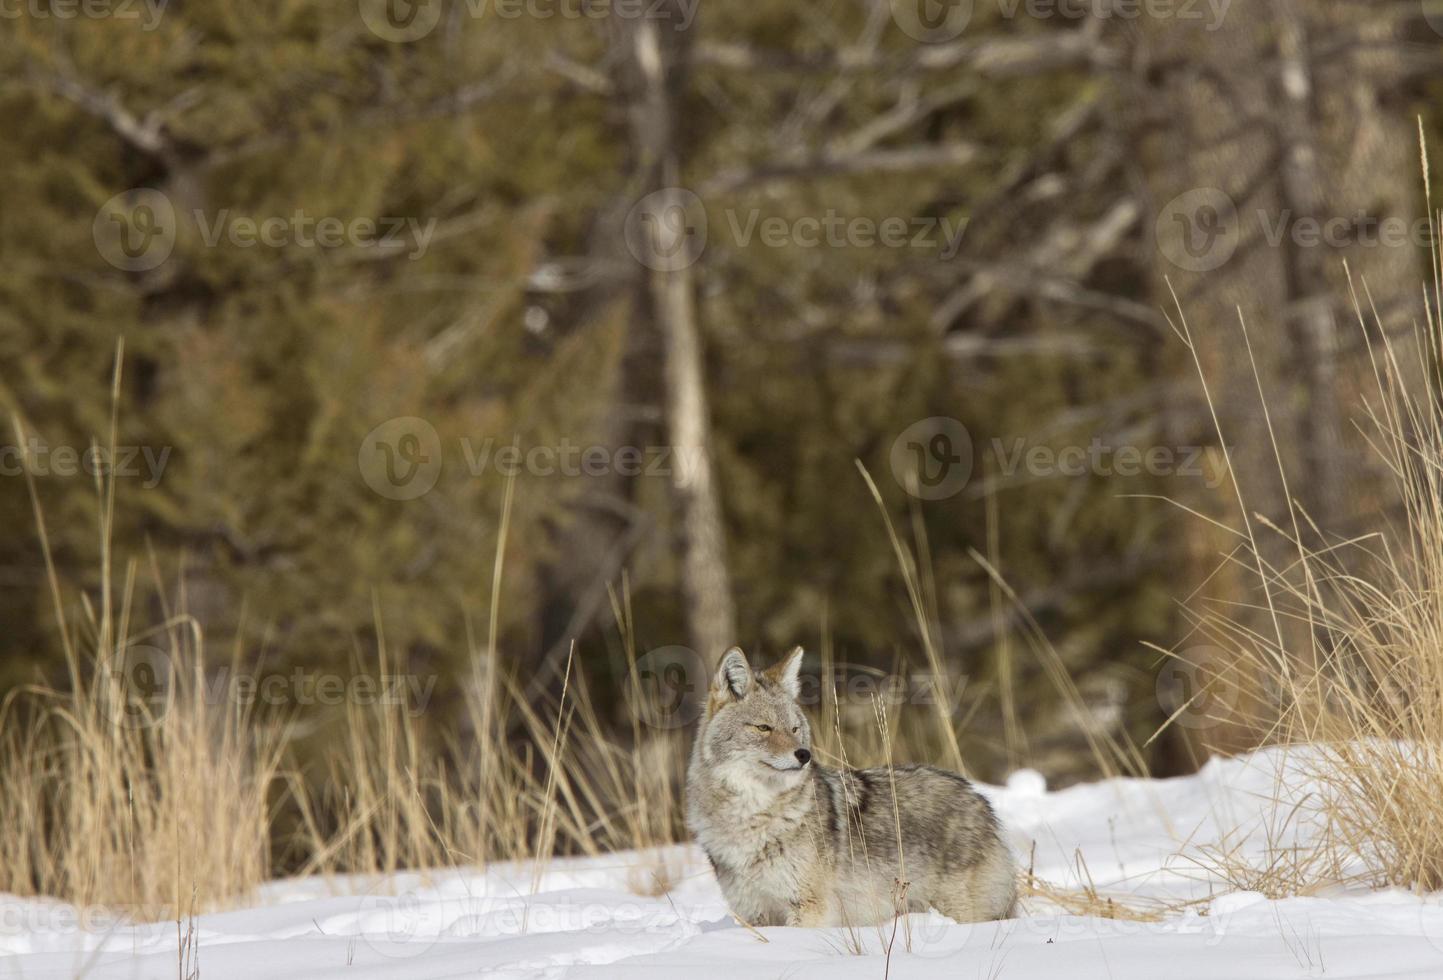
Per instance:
x=795, y=843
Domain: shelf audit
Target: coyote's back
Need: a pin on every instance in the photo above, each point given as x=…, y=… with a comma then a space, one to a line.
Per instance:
x=796, y=843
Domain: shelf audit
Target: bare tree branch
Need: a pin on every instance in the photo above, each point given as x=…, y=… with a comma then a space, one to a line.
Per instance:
x=144, y=134
x=992, y=57
x=830, y=163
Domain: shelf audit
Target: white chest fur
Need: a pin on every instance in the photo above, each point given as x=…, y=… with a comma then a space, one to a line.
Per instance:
x=763, y=847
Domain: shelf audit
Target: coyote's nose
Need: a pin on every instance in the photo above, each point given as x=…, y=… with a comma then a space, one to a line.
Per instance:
x=803, y=756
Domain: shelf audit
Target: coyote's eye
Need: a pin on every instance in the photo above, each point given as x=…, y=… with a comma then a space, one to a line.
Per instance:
x=763, y=728
x=796, y=728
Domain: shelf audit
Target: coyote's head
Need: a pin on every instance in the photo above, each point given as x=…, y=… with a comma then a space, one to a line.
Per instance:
x=753, y=730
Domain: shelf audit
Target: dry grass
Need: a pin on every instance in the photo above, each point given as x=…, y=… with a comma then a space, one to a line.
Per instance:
x=111, y=793
x=161, y=801
x=160, y=806
x=1343, y=651
x=134, y=787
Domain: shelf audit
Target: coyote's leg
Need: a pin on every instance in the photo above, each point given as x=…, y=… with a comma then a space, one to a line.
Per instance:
x=988, y=890
x=957, y=905
x=812, y=908
x=808, y=914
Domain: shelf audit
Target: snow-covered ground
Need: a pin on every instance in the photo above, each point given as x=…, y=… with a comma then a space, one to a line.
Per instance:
x=1142, y=841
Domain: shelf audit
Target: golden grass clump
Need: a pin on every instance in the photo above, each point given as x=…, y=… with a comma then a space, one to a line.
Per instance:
x=1341, y=657
x=146, y=784
x=134, y=799
x=160, y=799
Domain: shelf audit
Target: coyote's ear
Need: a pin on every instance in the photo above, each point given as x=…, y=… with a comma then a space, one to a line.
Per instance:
x=734, y=676
x=785, y=672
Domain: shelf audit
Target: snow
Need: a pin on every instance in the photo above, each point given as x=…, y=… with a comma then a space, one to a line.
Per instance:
x=1141, y=841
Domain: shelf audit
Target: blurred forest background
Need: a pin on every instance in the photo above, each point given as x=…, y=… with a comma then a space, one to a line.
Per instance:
x=535, y=156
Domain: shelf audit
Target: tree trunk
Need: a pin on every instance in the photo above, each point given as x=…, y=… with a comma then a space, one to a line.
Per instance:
x=663, y=235
x=1291, y=137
